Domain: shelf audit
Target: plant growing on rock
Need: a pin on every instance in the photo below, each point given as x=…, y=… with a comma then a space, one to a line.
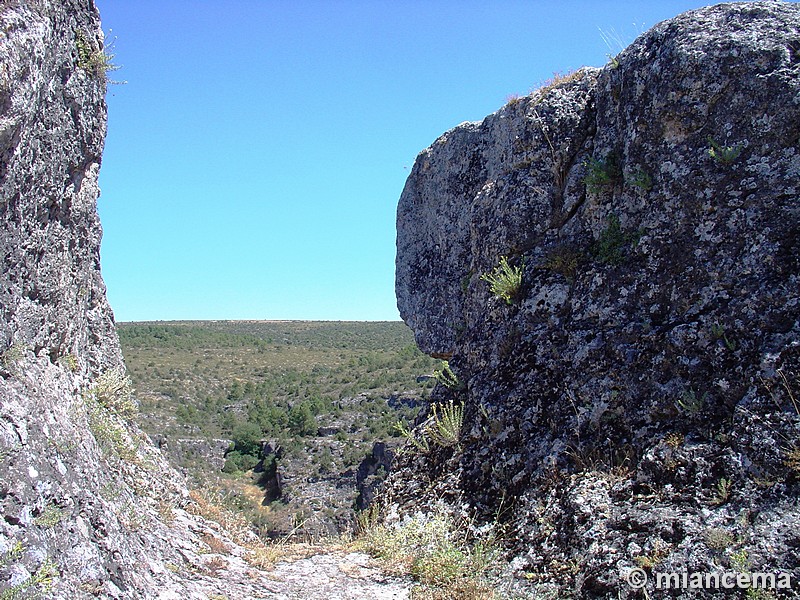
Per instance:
x=447, y=421
x=444, y=430
x=504, y=281
x=437, y=550
x=98, y=63
x=640, y=179
x=724, y=154
x=447, y=378
x=565, y=261
x=114, y=391
x=613, y=243
x=690, y=403
x=601, y=172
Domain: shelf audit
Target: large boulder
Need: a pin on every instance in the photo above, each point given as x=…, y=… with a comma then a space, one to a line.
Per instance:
x=641, y=385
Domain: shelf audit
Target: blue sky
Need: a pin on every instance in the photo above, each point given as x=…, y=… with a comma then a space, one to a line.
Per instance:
x=255, y=157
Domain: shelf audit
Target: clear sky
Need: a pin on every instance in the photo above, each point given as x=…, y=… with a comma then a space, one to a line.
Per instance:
x=255, y=156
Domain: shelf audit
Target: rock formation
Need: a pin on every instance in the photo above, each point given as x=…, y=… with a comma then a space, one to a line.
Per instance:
x=90, y=509
x=633, y=400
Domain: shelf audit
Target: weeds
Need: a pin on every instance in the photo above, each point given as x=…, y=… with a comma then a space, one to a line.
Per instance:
x=114, y=391
x=601, y=173
x=504, y=281
x=718, y=332
x=97, y=62
x=447, y=378
x=718, y=539
x=447, y=421
x=11, y=357
x=723, y=154
x=690, y=403
x=110, y=433
x=69, y=362
x=444, y=430
x=41, y=579
x=613, y=243
x=640, y=179
x=565, y=261
x=434, y=549
x=722, y=491
x=49, y=517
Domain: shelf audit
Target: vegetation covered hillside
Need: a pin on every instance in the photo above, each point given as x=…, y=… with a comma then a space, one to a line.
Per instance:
x=303, y=403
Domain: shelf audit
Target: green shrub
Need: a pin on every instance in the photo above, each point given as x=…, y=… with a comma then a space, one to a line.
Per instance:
x=565, y=261
x=504, y=281
x=640, y=179
x=613, y=243
x=601, y=172
x=96, y=62
x=447, y=421
x=247, y=439
x=434, y=549
x=236, y=461
x=723, y=154
x=446, y=377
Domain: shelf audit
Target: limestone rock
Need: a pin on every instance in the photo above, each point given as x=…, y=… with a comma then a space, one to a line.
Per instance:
x=641, y=384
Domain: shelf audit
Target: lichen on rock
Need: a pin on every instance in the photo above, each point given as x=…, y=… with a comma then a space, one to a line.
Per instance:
x=642, y=386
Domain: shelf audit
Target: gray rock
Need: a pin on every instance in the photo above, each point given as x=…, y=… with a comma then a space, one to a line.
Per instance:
x=89, y=507
x=641, y=385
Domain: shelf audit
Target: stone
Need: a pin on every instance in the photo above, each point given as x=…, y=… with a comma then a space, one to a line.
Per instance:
x=648, y=363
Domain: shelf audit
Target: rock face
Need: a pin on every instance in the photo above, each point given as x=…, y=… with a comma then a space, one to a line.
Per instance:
x=635, y=401
x=90, y=509
x=80, y=488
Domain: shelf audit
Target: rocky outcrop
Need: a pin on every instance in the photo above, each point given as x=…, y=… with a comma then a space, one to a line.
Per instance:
x=90, y=509
x=634, y=401
x=82, y=490
x=371, y=473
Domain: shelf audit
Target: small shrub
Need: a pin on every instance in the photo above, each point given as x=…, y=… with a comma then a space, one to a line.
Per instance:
x=640, y=179
x=504, y=281
x=690, y=403
x=114, y=391
x=49, y=517
x=69, y=362
x=447, y=421
x=565, y=261
x=601, y=173
x=420, y=442
x=236, y=461
x=41, y=580
x=722, y=491
x=434, y=549
x=658, y=553
x=447, y=378
x=723, y=154
x=718, y=332
x=444, y=430
x=792, y=459
x=10, y=357
x=96, y=62
x=559, y=80
x=613, y=244
x=674, y=440
x=718, y=539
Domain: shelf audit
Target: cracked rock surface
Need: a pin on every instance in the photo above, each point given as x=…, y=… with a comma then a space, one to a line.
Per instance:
x=88, y=507
x=635, y=401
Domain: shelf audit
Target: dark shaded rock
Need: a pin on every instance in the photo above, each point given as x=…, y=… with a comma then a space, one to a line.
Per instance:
x=371, y=473
x=648, y=363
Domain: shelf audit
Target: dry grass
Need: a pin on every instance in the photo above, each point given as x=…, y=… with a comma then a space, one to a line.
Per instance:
x=215, y=544
x=434, y=550
x=558, y=80
x=204, y=505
